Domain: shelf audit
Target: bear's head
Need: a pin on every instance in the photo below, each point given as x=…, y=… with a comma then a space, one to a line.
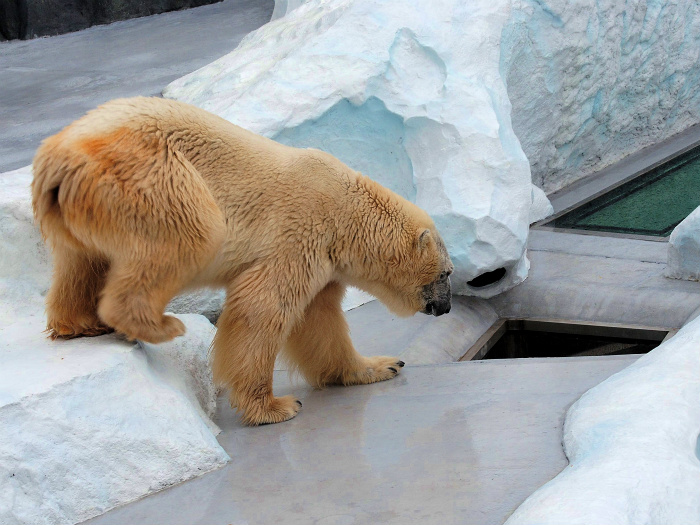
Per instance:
x=391, y=248
x=418, y=277
x=436, y=294
x=414, y=276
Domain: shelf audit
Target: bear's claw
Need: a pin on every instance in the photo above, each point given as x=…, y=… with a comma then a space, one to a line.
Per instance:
x=372, y=370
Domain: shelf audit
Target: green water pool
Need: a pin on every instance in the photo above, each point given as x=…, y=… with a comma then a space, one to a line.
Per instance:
x=650, y=204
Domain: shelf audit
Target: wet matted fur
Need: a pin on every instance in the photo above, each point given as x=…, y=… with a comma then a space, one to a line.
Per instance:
x=145, y=197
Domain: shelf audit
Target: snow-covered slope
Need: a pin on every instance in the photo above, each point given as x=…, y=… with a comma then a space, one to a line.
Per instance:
x=412, y=97
x=284, y=7
x=633, y=447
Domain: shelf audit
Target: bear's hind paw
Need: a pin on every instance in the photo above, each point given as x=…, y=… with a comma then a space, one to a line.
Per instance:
x=58, y=330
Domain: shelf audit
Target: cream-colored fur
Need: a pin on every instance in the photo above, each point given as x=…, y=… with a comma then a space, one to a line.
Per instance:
x=144, y=197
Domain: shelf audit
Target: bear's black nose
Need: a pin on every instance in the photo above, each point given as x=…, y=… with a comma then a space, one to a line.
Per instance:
x=437, y=308
x=441, y=308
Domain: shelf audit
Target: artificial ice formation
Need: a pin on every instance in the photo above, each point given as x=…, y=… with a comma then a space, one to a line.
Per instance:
x=633, y=446
x=592, y=81
x=91, y=423
x=684, y=249
x=411, y=97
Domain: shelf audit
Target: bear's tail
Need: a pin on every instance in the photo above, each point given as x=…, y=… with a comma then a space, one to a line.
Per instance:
x=50, y=171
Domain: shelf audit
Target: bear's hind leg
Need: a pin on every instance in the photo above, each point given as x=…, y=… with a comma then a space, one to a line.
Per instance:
x=164, y=227
x=71, y=303
x=321, y=348
x=136, y=294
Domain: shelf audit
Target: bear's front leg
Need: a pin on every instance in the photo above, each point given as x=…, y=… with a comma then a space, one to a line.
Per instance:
x=320, y=346
x=249, y=334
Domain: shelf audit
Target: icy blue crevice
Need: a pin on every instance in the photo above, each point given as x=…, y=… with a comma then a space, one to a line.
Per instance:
x=553, y=18
x=424, y=137
x=369, y=138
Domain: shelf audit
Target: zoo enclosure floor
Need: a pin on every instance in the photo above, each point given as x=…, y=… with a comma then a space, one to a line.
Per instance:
x=454, y=443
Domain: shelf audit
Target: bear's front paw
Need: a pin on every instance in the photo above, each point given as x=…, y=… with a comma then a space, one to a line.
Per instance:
x=276, y=410
x=374, y=369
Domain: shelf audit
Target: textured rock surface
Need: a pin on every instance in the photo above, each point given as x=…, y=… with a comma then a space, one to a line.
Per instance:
x=592, y=81
x=411, y=97
x=25, y=265
x=684, y=249
x=632, y=445
x=91, y=423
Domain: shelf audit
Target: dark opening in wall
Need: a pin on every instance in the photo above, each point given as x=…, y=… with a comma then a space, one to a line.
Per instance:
x=487, y=278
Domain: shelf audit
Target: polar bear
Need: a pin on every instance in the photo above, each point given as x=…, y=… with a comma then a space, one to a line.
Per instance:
x=143, y=198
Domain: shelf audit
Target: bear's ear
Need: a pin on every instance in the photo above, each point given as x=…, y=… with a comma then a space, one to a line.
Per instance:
x=424, y=239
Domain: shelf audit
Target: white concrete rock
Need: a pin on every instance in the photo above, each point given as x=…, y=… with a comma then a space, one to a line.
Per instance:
x=684, y=249
x=93, y=423
x=25, y=265
x=284, y=7
x=411, y=97
x=541, y=207
x=205, y=301
x=592, y=81
x=90, y=423
x=633, y=446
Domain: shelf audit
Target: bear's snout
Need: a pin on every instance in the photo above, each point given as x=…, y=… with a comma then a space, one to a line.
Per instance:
x=438, y=296
x=438, y=308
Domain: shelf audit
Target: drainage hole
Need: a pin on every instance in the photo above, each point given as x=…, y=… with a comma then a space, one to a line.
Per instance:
x=487, y=278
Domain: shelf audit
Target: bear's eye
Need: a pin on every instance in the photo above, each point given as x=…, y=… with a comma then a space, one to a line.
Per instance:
x=443, y=276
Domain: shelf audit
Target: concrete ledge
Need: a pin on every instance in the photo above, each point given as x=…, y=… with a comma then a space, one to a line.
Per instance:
x=620, y=281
